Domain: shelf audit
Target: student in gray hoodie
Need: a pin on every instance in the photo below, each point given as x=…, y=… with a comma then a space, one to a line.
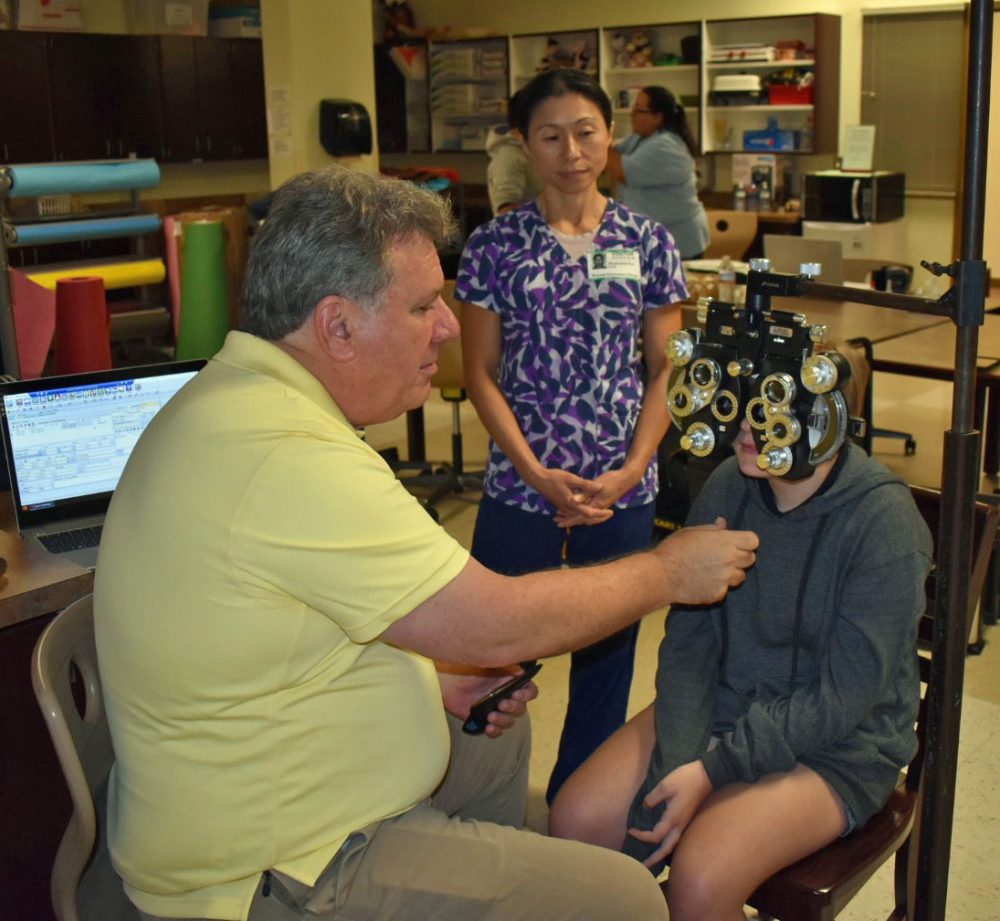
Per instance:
x=784, y=714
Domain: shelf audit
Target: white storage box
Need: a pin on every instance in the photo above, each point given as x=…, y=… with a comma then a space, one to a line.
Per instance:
x=50, y=15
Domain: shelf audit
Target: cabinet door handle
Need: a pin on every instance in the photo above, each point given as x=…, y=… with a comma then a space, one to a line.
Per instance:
x=197, y=146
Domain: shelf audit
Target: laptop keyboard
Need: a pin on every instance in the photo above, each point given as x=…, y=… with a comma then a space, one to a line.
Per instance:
x=65, y=541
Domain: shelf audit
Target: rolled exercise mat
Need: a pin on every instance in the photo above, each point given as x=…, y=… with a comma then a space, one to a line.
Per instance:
x=64, y=178
x=116, y=274
x=81, y=341
x=99, y=228
x=204, y=308
x=171, y=233
x=234, y=220
x=34, y=323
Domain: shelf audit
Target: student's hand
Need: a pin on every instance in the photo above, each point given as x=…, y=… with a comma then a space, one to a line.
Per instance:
x=683, y=790
x=460, y=690
x=702, y=563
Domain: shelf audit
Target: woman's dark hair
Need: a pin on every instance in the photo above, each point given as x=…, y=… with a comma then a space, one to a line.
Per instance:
x=563, y=81
x=662, y=102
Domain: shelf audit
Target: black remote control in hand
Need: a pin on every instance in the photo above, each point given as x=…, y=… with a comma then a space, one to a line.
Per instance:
x=481, y=709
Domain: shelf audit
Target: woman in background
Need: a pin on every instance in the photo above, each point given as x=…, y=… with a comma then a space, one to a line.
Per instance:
x=654, y=170
x=559, y=292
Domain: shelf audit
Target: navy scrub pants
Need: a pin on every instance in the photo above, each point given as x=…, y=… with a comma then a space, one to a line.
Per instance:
x=511, y=541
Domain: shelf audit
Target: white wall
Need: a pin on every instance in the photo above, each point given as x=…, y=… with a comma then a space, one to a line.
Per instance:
x=314, y=50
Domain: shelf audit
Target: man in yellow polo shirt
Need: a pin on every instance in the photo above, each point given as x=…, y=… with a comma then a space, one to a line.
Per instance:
x=270, y=603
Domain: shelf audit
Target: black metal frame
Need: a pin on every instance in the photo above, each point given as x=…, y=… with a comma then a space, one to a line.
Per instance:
x=964, y=304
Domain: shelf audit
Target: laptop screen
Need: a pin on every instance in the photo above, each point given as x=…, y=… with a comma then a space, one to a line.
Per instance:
x=66, y=439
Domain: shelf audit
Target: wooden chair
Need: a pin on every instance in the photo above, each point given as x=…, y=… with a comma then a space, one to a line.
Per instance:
x=67, y=685
x=732, y=233
x=819, y=886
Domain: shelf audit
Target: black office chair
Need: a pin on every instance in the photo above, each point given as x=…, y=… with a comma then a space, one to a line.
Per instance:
x=873, y=431
x=444, y=478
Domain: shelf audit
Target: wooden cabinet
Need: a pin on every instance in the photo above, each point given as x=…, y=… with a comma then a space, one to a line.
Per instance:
x=401, y=98
x=103, y=93
x=469, y=87
x=86, y=96
x=246, y=68
x=534, y=52
x=757, y=48
x=467, y=80
x=213, y=98
x=672, y=54
x=25, y=121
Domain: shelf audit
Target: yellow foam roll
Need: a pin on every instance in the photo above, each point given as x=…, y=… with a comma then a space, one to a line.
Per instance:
x=115, y=274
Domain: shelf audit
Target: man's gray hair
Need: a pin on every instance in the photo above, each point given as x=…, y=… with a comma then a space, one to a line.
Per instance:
x=329, y=232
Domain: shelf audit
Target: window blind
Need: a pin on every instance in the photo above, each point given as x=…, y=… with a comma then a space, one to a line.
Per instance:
x=912, y=80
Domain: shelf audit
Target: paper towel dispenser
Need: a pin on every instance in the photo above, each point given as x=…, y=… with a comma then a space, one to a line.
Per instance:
x=345, y=129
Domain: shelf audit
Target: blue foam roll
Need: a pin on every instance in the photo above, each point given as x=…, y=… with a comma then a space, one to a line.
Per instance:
x=67, y=178
x=94, y=229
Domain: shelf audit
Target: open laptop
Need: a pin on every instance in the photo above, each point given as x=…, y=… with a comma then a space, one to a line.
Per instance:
x=787, y=253
x=66, y=440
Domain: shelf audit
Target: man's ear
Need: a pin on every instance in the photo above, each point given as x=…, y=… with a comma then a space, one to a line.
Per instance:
x=334, y=320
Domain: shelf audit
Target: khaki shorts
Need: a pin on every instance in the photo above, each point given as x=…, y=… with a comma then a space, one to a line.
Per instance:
x=462, y=855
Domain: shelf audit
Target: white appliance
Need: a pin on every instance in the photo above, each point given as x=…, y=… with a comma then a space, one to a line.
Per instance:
x=886, y=240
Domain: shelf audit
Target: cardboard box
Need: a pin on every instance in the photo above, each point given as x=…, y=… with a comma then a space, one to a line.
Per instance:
x=167, y=17
x=49, y=15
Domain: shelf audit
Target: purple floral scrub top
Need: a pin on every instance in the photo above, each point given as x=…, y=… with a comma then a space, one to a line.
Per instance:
x=570, y=366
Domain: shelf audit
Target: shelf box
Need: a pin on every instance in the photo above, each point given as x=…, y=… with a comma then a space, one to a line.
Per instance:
x=772, y=139
x=790, y=95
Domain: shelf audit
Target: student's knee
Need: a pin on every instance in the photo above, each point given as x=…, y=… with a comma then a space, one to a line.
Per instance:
x=699, y=888
x=579, y=815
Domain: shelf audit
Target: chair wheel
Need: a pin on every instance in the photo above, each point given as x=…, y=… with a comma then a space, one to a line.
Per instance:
x=911, y=447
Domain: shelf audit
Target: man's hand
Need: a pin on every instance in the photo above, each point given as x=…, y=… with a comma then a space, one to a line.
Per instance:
x=460, y=690
x=704, y=562
x=683, y=790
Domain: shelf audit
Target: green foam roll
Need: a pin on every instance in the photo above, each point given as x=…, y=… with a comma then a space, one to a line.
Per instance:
x=204, y=318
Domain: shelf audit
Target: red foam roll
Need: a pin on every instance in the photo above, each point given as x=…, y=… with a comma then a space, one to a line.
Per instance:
x=82, y=341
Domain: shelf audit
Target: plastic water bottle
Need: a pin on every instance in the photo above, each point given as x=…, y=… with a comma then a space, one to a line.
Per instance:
x=764, y=198
x=739, y=198
x=727, y=280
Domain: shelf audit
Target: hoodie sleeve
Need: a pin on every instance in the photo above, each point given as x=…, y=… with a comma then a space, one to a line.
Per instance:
x=880, y=598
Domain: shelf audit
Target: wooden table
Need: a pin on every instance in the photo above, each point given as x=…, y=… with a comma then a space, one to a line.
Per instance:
x=930, y=353
x=34, y=800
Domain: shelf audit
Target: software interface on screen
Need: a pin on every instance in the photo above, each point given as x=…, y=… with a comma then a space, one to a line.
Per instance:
x=72, y=442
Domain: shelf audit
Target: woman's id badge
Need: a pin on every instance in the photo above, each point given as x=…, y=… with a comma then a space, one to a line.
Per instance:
x=614, y=263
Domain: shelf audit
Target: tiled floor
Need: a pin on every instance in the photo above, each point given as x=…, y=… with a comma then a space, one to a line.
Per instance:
x=922, y=408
